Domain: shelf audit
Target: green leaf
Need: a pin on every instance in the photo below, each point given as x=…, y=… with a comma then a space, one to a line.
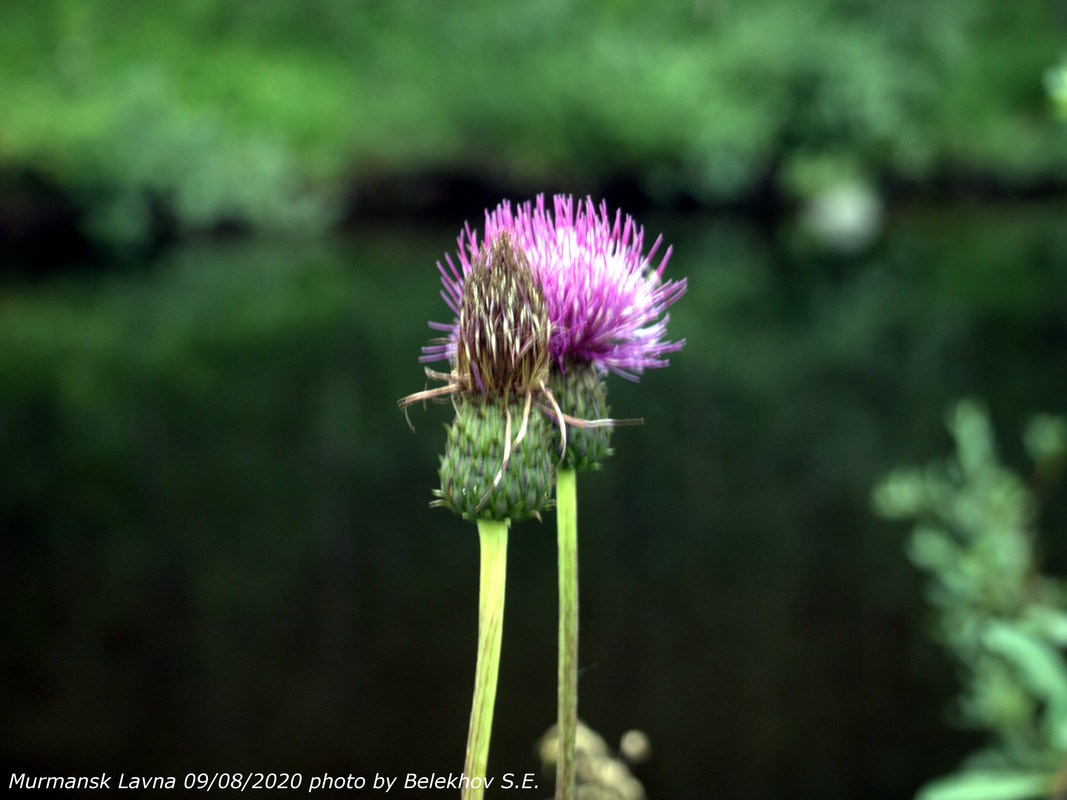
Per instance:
x=900, y=495
x=1048, y=622
x=988, y=786
x=933, y=549
x=1042, y=667
x=975, y=448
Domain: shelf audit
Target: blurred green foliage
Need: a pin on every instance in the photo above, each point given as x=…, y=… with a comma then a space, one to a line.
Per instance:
x=1005, y=621
x=261, y=113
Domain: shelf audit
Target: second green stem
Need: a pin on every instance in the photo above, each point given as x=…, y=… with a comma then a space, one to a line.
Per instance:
x=567, y=705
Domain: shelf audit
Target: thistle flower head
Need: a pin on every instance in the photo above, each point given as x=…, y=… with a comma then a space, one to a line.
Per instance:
x=605, y=300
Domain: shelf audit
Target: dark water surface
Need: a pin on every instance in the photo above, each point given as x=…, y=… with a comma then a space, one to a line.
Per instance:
x=217, y=550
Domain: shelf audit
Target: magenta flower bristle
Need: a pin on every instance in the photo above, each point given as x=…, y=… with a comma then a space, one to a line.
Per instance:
x=606, y=303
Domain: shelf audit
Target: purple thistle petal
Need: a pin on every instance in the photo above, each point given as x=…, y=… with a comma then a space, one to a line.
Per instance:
x=606, y=303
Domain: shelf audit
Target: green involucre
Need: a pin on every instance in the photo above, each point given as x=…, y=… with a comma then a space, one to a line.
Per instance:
x=581, y=393
x=474, y=458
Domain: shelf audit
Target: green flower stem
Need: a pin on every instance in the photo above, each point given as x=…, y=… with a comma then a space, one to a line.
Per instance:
x=494, y=553
x=567, y=708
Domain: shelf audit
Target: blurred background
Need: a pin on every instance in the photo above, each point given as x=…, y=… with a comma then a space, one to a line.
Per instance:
x=219, y=223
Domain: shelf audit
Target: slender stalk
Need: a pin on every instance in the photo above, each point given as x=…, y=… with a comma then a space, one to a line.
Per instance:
x=493, y=535
x=567, y=707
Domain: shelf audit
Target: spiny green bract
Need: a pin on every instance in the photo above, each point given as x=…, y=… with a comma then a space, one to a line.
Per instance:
x=474, y=456
x=581, y=393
